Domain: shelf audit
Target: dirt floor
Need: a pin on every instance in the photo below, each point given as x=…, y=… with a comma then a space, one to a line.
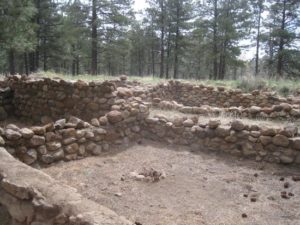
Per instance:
x=198, y=189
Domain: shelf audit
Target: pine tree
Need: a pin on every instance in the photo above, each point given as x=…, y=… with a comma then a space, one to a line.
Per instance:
x=17, y=31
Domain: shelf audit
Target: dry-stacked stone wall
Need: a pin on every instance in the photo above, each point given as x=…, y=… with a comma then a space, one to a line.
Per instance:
x=33, y=198
x=198, y=95
x=6, y=103
x=263, y=144
x=37, y=98
x=73, y=138
x=281, y=111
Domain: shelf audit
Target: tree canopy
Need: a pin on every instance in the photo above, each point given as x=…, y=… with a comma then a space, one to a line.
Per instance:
x=171, y=39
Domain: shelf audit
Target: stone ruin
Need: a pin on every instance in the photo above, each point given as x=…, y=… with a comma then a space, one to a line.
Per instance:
x=74, y=120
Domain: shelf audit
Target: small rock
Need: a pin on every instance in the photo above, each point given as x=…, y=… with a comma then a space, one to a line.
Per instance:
x=188, y=123
x=280, y=140
x=38, y=130
x=26, y=133
x=213, y=124
x=103, y=121
x=12, y=134
x=286, y=185
x=284, y=195
x=244, y=215
x=268, y=132
x=237, y=125
x=37, y=140
x=296, y=178
x=60, y=124
x=118, y=194
x=95, y=122
x=114, y=116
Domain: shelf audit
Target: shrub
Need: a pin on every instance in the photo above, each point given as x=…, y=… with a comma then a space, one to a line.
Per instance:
x=250, y=84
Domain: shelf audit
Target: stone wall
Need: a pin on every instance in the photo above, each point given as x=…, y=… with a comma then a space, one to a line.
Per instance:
x=263, y=144
x=34, y=198
x=6, y=103
x=284, y=111
x=73, y=138
x=197, y=95
x=36, y=98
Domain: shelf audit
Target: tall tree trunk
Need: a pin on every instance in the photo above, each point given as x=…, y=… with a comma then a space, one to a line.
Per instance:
x=153, y=59
x=11, y=60
x=168, y=52
x=94, y=39
x=215, y=39
x=77, y=66
x=31, y=61
x=162, y=39
x=38, y=35
x=222, y=64
x=26, y=67
x=176, y=41
x=281, y=43
x=258, y=42
x=44, y=55
x=73, y=61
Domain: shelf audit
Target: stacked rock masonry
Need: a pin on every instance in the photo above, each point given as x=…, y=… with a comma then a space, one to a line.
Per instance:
x=81, y=119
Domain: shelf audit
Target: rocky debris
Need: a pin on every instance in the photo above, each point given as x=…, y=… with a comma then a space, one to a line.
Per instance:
x=151, y=175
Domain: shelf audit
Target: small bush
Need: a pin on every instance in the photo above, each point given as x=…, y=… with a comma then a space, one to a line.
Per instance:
x=284, y=91
x=251, y=84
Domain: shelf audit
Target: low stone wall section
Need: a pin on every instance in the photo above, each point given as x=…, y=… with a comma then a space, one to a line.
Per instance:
x=34, y=198
x=198, y=95
x=262, y=144
x=6, y=103
x=282, y=111
x=73, y=138
x=36, y=98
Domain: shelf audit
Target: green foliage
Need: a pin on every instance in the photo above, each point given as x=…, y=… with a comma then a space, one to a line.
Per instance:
x=251, y=84
x=174, y=39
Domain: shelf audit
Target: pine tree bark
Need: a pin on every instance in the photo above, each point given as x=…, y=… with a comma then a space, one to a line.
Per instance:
x=281, y=43
x=94, y=39
x=38, y=22
x=176, y=48
x=11, y=60
x=168, y=52
x=26, y=67
x=258, y=41
x=162, y=39
x=215, y=39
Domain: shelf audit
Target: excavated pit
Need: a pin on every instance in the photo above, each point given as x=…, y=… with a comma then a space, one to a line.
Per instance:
x=199, y=188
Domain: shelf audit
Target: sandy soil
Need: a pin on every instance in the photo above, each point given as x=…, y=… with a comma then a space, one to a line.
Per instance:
x=198, y=189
